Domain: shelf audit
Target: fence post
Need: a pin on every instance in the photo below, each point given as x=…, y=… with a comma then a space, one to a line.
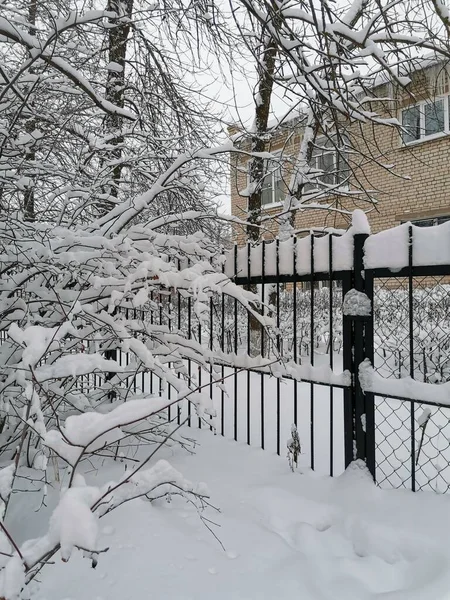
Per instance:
x=358, y=350
x=359, y=419
x=347, y=363
x=369, y=396
x=364, y=426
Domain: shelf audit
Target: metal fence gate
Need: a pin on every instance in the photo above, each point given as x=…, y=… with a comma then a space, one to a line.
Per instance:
x=307, y=310
x=398, y=419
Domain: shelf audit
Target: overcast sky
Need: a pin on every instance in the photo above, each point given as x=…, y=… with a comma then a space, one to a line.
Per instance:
x=234, y=92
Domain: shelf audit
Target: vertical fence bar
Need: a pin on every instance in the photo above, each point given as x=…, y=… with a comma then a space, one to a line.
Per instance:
x=134, y=377
x=277, y=262
x=359, y=351
x=127, y=354
x=330, y=265
x=169, y=325
x=137, y=365
x=179, y=329
x=211, y=342
x=347, y=364
x=199, y=368
x=311, y=345
x=249, y=332
x=189, y=324
x=294, y=316
x=235, y=416
x=411, y=354
x=151, y=323
x=263, y=270
x=369, y=397
x=143, y=369
x=222, y=347
x=160, y=323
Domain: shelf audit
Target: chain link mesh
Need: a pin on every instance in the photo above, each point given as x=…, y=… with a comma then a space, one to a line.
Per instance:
x=412, y=439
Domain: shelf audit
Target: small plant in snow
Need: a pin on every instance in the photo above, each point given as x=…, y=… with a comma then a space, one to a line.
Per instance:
x=422, y=421
x=294, y=448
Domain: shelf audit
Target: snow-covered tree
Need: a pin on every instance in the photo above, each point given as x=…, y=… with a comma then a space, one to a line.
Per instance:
x=67, y=296
x=100, y=189
x=63, y=70
x=342, y=67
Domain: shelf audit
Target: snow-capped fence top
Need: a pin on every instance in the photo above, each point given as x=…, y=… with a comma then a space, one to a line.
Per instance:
x=406, y=244
x=297, y=256
x=396, y=248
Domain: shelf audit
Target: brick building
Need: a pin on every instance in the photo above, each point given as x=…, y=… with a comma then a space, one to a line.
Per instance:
x=407, y=172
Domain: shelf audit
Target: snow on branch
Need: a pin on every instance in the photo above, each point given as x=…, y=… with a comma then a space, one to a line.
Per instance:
x=73, y=302
x=44, y=50
x=89, y=431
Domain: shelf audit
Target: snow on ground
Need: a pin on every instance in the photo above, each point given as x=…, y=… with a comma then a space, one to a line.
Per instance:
x=286, y=535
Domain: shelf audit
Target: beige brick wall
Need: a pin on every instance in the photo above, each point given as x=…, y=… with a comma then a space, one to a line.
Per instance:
x=418, y=184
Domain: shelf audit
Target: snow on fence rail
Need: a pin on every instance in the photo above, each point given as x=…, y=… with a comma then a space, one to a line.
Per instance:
x=300, y=256
x=393, y=249
x=403, y=387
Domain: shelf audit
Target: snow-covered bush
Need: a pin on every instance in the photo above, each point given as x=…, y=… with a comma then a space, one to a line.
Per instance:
x=102, y=201
x=69, y=298
x=430, y=328
x=106, y=183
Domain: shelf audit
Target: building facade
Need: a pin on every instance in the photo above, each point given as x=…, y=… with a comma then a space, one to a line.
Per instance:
x=396, y=176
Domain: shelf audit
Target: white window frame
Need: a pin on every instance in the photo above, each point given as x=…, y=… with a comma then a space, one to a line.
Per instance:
x=434, y=221
x=421, y=105
x=275, y=155
x=343, y=185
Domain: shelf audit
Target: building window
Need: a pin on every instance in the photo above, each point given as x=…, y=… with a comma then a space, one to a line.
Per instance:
x=272, y=187
x=431, y=221
x=329, y=164
x=425, y=120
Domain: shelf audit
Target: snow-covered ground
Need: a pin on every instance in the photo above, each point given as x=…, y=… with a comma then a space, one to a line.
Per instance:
x=286, y=535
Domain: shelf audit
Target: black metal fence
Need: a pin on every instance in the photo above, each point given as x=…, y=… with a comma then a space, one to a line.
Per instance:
x=401, y=430
x=402, y=433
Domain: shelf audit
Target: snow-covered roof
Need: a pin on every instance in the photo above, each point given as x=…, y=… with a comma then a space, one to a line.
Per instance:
x=287, y=117
x=405, y=69
x=408, y=67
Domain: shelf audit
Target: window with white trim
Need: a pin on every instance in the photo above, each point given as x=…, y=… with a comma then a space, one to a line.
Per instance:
x=430, y=221
x=272, y=185
x=272, y=189
x=329, y=164
x=425, y=120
